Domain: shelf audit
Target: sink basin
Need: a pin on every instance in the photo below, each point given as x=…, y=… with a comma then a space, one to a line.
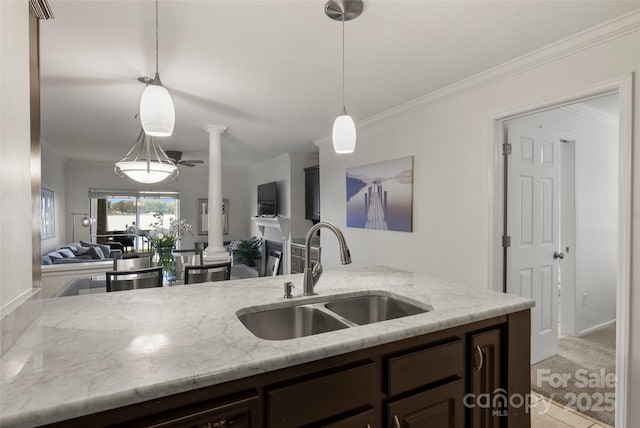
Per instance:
x=289, y=322
x=373, y=308
x=324, y=314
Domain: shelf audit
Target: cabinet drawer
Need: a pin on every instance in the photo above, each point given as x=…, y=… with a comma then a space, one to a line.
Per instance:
x=297, y=251
x=321, y=398
x=296, y=265
x=441, y=407
x=361, y=420
x=422, y=367
x=240, y=414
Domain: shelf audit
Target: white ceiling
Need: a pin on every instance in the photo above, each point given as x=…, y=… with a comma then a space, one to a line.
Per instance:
x=270, y=70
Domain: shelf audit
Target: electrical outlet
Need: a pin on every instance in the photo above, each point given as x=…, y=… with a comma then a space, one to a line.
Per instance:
x=584, y=299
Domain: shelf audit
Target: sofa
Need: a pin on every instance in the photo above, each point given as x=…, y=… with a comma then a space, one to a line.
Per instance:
x=74, y=261
x=79, y=252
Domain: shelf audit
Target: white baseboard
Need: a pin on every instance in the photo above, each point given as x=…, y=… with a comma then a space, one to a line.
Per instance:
x=596, y=327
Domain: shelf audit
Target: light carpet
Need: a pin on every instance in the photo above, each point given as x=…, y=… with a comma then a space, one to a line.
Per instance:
x=582, y=361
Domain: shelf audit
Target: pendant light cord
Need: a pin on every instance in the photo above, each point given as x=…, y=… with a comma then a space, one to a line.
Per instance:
x=156, y=37
x=343, y=107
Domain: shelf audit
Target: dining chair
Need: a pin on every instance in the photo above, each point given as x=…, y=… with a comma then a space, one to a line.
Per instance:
x=129, y=261
x=187, y=257
x=208, y=272
x=134, y=279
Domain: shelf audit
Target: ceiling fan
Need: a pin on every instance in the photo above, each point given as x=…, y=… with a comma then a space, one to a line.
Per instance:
x=176, y=157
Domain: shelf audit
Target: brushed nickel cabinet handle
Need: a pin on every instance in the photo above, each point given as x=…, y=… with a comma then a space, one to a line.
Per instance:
x=396, y=421
x=479, y=351
x=368, y=426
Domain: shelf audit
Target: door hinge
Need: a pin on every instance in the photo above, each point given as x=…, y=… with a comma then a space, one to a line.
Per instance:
x=506, y=149
x=506, y=241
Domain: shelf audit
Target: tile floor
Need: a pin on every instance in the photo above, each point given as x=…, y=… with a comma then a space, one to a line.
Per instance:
x=548, y=414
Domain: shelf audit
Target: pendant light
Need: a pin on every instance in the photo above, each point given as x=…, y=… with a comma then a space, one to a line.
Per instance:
x=146, y=162
x=344, y=129
x=157, y=113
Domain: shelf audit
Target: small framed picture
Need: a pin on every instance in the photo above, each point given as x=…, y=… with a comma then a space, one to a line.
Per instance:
x=47, y=215
x=203, y=216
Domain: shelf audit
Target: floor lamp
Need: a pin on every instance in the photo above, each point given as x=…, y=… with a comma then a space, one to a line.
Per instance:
x=84, y=221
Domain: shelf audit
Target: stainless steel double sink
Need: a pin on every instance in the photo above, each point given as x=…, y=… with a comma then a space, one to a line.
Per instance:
x=333, y=313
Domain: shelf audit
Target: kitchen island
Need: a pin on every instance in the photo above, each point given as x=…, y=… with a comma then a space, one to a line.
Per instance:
x=157, y=355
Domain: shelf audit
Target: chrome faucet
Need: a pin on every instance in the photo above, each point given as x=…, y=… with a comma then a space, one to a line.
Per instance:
x=312, y=275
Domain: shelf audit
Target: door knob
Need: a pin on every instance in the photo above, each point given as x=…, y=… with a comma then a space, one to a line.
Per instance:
x=557, y=255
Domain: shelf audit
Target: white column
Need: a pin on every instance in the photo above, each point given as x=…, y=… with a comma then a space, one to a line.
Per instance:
x=215, y=251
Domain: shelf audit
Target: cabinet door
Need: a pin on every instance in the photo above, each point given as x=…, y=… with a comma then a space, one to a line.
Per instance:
x=297, y=264
x=439, y=407
x=239, y=414
x=361, y=420
x=312, y=193
x=487, y=380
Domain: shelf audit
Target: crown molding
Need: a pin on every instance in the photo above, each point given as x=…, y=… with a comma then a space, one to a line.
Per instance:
x=601, y=33
x=590, y=112
x=41, y=9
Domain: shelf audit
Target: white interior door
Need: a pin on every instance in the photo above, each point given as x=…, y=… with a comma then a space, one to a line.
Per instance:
x=533, y=223
x=567, y=307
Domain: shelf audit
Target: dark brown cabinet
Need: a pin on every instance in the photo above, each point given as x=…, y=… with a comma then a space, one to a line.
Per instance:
x=439, y=407
x=311, y=401
x=487, y=379
x=312, y=193
x=241, y=413
x=364, y=419
x=423, y=381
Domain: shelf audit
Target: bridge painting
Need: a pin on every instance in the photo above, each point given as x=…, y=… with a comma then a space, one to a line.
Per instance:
x=380, y=195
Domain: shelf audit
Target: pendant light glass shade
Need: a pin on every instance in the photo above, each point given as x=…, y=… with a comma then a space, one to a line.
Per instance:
x=146, y=162
x=344, y=134
x=157, y=113
x=145, y=172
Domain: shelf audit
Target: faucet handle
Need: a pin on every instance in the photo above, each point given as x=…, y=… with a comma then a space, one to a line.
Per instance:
x=287, y=289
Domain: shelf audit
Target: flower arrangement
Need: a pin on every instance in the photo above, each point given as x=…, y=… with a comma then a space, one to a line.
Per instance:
x=162, y=237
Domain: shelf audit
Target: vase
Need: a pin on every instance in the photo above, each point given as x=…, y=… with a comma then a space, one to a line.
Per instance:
x=164, y=257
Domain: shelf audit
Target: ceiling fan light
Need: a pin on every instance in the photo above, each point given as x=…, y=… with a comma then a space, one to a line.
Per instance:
x=344, y=134
x=157, y=113
x=146, y=172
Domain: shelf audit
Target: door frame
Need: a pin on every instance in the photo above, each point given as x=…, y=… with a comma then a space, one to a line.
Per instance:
x=623, y=85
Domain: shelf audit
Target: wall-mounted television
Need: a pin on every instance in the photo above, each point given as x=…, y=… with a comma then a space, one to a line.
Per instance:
x=268, y=199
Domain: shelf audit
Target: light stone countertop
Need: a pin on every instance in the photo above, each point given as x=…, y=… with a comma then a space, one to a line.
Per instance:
x=91, y=353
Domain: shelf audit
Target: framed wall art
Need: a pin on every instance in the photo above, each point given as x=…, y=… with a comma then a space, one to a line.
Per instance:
x=203, y=216
x=380, y=195
x=47, y=214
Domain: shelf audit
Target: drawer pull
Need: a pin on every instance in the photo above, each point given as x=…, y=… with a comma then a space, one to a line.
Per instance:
x=396, y=421
x=481, y=357
x=368, y=426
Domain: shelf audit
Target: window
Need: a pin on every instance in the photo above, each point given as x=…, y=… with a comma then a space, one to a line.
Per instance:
x=121, y=215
